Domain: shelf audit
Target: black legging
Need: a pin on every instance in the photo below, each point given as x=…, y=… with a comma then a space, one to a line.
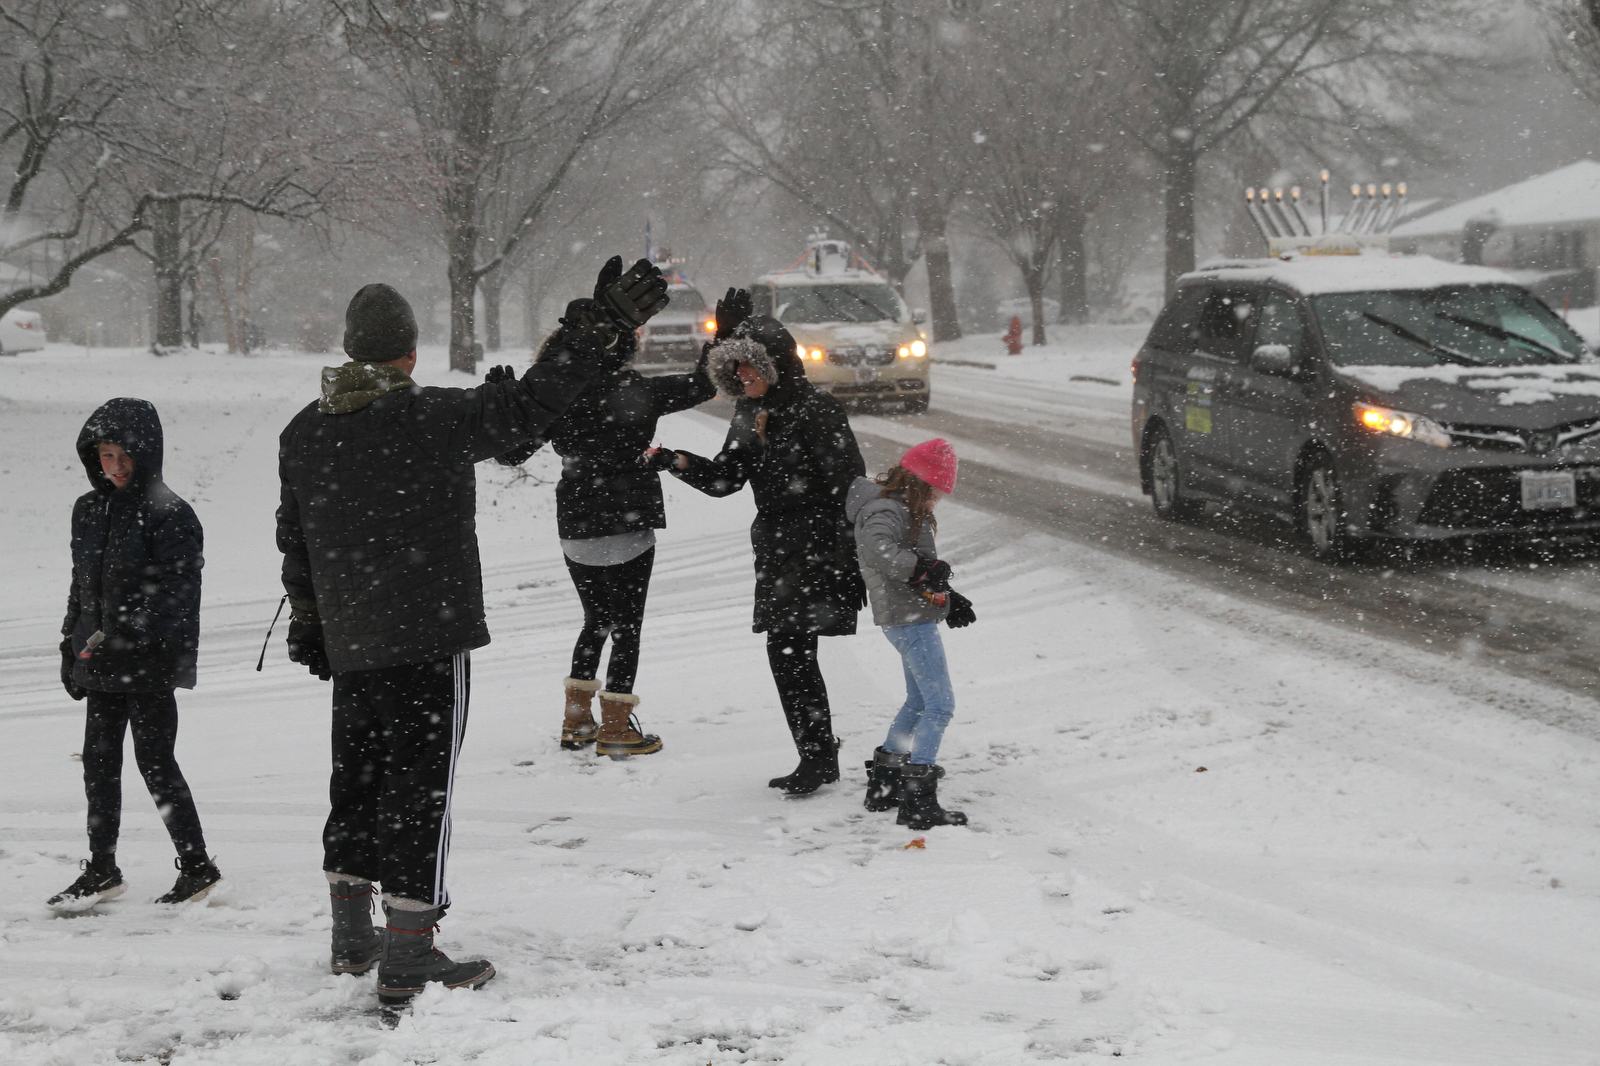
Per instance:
x=793, y=658
x=154, y=717
x=613, y=606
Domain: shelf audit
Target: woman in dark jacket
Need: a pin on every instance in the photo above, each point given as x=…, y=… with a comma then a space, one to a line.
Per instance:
x=792, y=443
x=130, y=639
x=608, y=507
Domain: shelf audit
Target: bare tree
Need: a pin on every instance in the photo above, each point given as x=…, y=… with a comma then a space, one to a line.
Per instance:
x=1047, y=137
x=1217, y=66
x=508, y=97
x=1575, y=40
x=119, y=118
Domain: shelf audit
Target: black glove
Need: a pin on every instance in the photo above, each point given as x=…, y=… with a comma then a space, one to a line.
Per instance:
x=607, y=277
x=588, y=331
x=659, y=459
x=634, y=298
x=961, y=612
x=307, y=648
x=498, y=374
x=931, y=575
x=732, y=309
x=75, y=690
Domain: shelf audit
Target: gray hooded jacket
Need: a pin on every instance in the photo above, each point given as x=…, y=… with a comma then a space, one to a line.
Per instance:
x=888, y=558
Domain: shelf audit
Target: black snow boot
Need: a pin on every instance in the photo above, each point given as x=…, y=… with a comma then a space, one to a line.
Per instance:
x=196, y=875
x=819, y=765
x=357, y=943
x=919, y=802
x=883, y=780
x=410, y=961
x=100, y=880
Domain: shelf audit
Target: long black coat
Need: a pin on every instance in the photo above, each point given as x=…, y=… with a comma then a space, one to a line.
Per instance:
x=807, y=577
x=603, y=489
x=377, y=518
x=136, y=561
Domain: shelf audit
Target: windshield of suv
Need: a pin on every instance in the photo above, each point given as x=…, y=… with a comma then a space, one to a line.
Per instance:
x=1477, y=326
x=838, y=303
x=685, y=300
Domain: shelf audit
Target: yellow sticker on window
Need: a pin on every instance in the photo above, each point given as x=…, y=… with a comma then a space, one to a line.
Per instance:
x=1197, y=419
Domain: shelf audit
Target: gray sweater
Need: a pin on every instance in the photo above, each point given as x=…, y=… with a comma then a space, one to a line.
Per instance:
x=887, y=557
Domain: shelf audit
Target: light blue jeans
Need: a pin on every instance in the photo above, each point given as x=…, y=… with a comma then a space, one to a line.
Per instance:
x=930, y=701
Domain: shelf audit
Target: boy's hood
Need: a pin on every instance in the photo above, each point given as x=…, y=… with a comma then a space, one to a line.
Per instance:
x=351, y=387
x=131, y=423
x=863, y=490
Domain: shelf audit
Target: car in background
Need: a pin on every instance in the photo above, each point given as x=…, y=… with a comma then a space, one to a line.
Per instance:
x=1369, y=397
x=21, y=331
x=673, y=338
x=856, y=337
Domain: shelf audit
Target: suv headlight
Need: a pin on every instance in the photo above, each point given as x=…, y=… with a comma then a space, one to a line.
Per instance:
x=1419, y=428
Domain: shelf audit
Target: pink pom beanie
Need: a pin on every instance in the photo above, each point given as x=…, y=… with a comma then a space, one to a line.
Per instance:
x=934, y=461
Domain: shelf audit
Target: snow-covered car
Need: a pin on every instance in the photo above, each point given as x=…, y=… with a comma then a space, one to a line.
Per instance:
x=673, y=338
x=21, y=331
x=856, y=336
x=1367, y=397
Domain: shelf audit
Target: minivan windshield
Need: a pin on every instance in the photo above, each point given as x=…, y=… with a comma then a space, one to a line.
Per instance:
x=685, y=300
x=837, y=303
x=1494, y=325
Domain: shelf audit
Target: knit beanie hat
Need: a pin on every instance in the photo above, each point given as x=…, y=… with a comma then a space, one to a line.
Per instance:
x=934, y=461
x=379, y=325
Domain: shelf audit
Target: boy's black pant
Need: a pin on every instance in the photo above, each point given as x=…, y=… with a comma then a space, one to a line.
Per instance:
x=154, y=718
x=613, y=606
x=396, y=735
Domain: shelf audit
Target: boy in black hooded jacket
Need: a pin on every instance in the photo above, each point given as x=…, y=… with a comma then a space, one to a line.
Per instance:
x=130, y=638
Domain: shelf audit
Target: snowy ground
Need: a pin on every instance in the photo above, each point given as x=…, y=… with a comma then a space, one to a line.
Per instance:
x=1371, y=868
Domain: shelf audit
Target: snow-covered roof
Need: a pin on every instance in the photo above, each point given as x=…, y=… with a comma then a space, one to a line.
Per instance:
x=838, y=277
x=1316, y=274
x=1565, y=196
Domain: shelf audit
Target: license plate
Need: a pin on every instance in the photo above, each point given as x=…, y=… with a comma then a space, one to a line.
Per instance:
x=1548, y=489
x=865, y=376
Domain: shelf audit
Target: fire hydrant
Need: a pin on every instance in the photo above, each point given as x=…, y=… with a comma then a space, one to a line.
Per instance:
x=1013, y=337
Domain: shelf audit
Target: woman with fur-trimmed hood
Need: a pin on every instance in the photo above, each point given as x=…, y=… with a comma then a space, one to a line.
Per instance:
x=792, y=443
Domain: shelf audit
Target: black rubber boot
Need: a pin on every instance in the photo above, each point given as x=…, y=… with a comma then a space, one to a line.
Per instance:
x=883, y=780
x=410, y=961
x=99, y=881
x=919, y=803
x=196, y=876
x=819, y=765
x=357, y=943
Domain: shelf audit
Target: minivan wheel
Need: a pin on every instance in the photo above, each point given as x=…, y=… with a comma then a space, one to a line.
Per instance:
x=1322, y=512
x=1166, y=481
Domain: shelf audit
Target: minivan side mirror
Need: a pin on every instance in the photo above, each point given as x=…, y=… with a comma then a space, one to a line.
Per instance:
x=1273, y=359
x=919, y=315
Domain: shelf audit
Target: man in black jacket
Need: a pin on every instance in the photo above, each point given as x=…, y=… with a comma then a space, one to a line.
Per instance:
x=377, y=528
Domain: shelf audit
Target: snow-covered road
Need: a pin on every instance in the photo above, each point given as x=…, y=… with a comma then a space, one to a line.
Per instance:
x=1377, y=864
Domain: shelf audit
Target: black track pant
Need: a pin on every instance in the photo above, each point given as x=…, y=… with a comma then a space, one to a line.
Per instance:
x=613, y=606
x=793, y=658
x=396, y=735
x=154, y=718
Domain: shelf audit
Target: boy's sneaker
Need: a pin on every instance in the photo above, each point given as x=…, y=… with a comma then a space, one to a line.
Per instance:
x=196, y=875
x=93, y=885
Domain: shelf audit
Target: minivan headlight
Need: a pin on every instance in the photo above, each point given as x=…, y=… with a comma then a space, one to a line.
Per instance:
x=1419, y=428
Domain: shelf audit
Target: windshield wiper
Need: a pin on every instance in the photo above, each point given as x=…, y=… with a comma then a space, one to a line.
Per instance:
x=1501, y=333
x=1450, y=354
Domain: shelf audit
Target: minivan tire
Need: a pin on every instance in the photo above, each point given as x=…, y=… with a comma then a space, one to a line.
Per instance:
x=1166, y=480
x=1321, y=511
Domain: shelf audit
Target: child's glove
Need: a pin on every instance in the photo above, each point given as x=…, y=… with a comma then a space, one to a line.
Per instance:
x=961, y=612
x=306, y=647
x=75, y=690
x=930, y=575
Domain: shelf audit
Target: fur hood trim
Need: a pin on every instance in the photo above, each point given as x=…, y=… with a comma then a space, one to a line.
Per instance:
x=723, y=365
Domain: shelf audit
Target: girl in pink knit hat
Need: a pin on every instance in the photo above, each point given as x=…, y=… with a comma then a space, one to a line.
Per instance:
x=909, y=589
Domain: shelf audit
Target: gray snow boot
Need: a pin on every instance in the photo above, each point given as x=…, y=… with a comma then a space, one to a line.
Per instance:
x=357, y=943
x=883, y=780
x=919, y=803
x=410, y=961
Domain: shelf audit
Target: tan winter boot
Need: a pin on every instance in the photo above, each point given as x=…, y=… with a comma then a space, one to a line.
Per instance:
x=578, y=727
x=619, y=730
